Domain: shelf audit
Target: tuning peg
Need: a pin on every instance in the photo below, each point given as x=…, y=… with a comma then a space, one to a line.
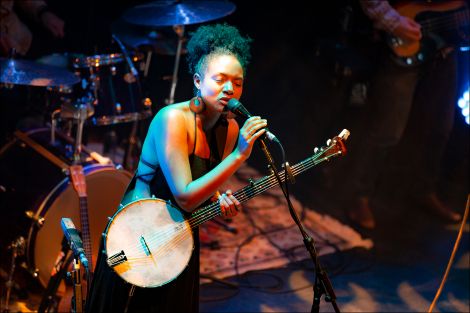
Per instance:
x=344, y=134
x=328, y=142
x=315, y=150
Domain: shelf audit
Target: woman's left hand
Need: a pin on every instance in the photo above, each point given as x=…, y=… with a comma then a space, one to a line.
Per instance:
x=229, y=205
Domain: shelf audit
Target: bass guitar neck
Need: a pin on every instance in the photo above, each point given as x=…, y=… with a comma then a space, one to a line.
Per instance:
x=79, y=183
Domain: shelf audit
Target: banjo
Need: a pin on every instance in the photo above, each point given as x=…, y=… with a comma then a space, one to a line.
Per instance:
x=148, y=242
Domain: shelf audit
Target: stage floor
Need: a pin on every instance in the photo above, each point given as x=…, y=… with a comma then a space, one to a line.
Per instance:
x=400, y=272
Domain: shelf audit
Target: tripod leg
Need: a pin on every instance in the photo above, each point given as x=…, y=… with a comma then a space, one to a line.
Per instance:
x=317, y=293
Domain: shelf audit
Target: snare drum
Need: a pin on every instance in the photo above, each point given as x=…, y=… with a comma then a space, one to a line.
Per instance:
x=35, y=193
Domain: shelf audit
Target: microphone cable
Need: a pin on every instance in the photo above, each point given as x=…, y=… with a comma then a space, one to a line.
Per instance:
x=452, y=256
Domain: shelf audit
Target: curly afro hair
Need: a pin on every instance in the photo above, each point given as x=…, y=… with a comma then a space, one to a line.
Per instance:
x=216, y=39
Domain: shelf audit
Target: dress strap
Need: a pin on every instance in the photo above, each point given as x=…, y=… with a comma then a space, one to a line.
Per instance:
x=152, y=166
x=141, y=177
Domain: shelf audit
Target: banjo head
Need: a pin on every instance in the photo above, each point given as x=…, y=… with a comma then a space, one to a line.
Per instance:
x=149, y=242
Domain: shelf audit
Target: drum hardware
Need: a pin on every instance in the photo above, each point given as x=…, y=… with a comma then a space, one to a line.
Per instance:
x=92, y=155
x=34, y=178
x=134, y=144
x=83, y=110
x=76, y=111
x=147, y=64
x=18, y=248
x=38, y=220
x=79, y=112
x=115, y=90
x=177, y=14
x=29, y=142
x=54, y=115
x=131, y=77
x=179, y=30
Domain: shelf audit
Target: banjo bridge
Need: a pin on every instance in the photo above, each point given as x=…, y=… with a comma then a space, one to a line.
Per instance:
x=144, y=246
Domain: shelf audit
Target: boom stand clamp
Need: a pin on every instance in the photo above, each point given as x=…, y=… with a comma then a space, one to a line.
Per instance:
x=322, y=284
x=77, y=301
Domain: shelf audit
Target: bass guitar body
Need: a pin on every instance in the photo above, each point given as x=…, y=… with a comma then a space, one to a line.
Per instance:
x=445, y=22
x=150, y=243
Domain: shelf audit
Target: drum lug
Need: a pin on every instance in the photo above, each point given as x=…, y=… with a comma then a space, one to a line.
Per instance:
x=39, y=220
x=34, y=273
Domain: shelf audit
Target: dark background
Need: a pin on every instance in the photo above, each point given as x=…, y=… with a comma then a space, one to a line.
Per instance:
x=305, y=60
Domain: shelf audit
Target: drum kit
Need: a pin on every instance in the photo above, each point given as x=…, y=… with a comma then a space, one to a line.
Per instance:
x=93, y=90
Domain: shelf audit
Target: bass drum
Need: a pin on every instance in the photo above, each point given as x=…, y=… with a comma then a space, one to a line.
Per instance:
x=35, y=193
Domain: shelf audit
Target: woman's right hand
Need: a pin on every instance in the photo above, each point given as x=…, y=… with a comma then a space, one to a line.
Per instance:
x=253, y=128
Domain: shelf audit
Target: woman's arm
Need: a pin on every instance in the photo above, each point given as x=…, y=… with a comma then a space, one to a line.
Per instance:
x=169, y=139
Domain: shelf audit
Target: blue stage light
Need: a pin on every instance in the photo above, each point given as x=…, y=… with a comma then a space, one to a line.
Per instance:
x=463, y=104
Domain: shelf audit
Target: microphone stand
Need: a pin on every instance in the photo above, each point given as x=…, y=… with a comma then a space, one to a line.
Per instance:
x=77, y=301
x=322, y=284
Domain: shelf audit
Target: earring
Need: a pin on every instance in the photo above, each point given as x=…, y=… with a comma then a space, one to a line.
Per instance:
x=196, y=104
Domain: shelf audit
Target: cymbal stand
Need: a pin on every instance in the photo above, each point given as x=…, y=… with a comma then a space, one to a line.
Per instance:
x=179, y=30
x=54, y=125
x=17, y=247
x=148, y=59
x=81, y=117
x=133, y=146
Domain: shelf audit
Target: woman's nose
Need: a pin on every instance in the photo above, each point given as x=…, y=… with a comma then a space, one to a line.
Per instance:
x=228, y=87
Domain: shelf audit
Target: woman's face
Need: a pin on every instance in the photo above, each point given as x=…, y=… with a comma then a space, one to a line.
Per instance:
x=222, y=81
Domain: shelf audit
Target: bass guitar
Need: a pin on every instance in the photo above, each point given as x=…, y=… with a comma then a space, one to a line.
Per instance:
x=79, y=184
x=442, y=23
x=149, y=242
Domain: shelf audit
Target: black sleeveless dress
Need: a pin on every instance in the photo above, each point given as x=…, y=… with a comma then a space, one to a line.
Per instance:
x=110, y=293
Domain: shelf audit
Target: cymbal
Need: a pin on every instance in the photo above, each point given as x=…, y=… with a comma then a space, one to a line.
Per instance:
x=168, y=13
x=161, y=40
x=25, y=72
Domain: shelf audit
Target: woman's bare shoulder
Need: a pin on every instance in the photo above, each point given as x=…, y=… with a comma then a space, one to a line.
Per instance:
x=173, y=113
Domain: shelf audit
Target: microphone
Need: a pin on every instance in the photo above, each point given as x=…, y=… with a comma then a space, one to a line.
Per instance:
x=238, y=109
x=75, y=242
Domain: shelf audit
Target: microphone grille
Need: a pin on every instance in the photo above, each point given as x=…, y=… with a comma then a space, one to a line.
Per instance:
x=237, y=107
x=233, y=104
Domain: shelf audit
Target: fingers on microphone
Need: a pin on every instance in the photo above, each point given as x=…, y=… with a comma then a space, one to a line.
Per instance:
x=257, y=126
x=258, y=134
